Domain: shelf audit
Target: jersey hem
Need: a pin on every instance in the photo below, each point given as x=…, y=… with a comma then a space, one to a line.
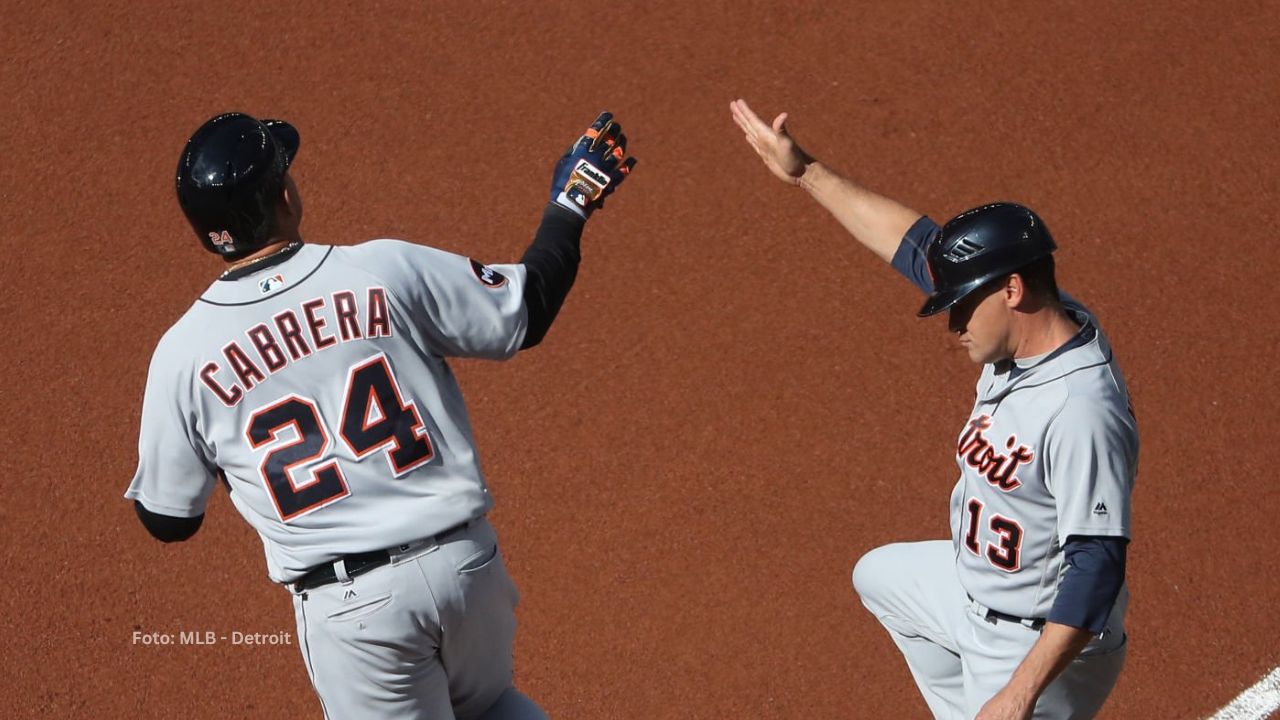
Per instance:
x=163, y=508
x=1095, y=530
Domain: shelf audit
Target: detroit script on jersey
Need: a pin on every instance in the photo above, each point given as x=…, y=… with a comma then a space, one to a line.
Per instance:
x=1050, y=450
x=318, y=386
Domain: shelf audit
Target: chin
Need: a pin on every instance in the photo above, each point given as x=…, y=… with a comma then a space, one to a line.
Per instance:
x=981, y=358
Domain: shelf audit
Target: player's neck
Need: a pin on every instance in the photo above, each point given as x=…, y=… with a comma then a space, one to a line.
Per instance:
x=275, y=247
x=1043, y=331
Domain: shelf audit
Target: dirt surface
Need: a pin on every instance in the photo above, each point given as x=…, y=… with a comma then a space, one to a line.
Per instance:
x=736, y=402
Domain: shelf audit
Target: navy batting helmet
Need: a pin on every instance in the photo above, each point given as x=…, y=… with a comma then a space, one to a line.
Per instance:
x=230, y=176
x=981, y=245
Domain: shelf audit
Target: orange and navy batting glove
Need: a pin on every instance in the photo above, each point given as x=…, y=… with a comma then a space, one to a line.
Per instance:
x=592, y=168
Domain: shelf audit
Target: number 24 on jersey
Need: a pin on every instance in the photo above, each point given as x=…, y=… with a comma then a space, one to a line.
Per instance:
x=375, y=417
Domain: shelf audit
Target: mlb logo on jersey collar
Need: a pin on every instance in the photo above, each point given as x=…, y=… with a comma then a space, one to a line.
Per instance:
x=271, y=284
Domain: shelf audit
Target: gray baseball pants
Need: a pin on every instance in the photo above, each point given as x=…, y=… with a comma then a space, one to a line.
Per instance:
x=959, y=654
x=428, y=636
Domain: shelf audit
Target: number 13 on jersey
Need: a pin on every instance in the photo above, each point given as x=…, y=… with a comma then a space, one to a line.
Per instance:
x=299, y=470
x=1006, y=552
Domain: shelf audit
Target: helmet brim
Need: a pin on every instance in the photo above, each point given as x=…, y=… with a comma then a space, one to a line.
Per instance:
x=938, y=302
x=943, y=299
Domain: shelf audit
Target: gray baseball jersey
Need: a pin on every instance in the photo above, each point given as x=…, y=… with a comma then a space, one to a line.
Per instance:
x=366, y=449
x=1049, y=451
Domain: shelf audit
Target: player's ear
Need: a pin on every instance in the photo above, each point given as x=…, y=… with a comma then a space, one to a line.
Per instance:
x=1014, y=291
x=290, y=200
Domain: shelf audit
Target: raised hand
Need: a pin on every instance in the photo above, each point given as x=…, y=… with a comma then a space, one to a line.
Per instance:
x=592, y=168
x=772, y=143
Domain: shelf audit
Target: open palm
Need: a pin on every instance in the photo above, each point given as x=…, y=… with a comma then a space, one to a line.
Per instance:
x=772, y=143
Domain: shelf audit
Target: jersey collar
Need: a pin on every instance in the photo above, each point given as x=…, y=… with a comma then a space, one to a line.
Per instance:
x=263, y=281
x=262, y=263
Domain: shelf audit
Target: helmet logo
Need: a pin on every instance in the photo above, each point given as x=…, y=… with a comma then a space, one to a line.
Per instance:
x=222, y=240
x=962, y=250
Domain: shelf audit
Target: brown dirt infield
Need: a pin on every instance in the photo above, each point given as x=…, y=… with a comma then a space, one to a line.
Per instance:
x=736, y=402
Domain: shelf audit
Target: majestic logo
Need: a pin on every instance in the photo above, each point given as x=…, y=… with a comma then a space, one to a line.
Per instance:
x=487, y=275
x=999, y=469
x=349, y=595
x=271, y=284
x=1100, y=508
x=223, y=240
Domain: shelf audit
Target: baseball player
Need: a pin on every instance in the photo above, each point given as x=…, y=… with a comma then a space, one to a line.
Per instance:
x=1021, y=614
x=312, y=379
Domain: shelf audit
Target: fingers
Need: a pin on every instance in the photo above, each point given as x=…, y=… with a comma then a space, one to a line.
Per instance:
x=740, y=117
x=754, y=140
x=747, y=119
x=742, y=123
x=614, y=152
x=610, y=142
x=618, y=174
x=600, y=122
x=607, y=134
x=607, y=139
x=598, y=136
x=779, y=124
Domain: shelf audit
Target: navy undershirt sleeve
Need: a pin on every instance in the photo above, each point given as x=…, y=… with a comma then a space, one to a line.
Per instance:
x=1094, y=576
x=552, y=265
x=909, y=259
x=167, y=528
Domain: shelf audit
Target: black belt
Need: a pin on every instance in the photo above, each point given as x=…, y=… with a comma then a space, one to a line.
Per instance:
x=357, y=564
x=1033, y=623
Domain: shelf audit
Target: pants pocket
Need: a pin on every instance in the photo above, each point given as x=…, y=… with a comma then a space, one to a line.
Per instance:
x=483, y=557
x=362, y=609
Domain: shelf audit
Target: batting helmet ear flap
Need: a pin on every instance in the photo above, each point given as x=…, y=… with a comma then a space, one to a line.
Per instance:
x=230, y=176
x=980, y=245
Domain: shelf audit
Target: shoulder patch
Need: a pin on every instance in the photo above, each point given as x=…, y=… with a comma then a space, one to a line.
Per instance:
x=487, y=275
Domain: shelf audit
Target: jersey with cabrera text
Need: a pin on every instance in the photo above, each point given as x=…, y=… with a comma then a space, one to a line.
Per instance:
x=318, y=387
x=1049, y=451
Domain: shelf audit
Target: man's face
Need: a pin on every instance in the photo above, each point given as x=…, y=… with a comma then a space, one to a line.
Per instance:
x=981, y=322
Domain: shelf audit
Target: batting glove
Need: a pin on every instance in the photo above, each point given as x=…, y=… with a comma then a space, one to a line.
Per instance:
x=592, y=168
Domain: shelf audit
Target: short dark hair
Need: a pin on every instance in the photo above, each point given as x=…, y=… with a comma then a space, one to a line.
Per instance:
x=1038, y=277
